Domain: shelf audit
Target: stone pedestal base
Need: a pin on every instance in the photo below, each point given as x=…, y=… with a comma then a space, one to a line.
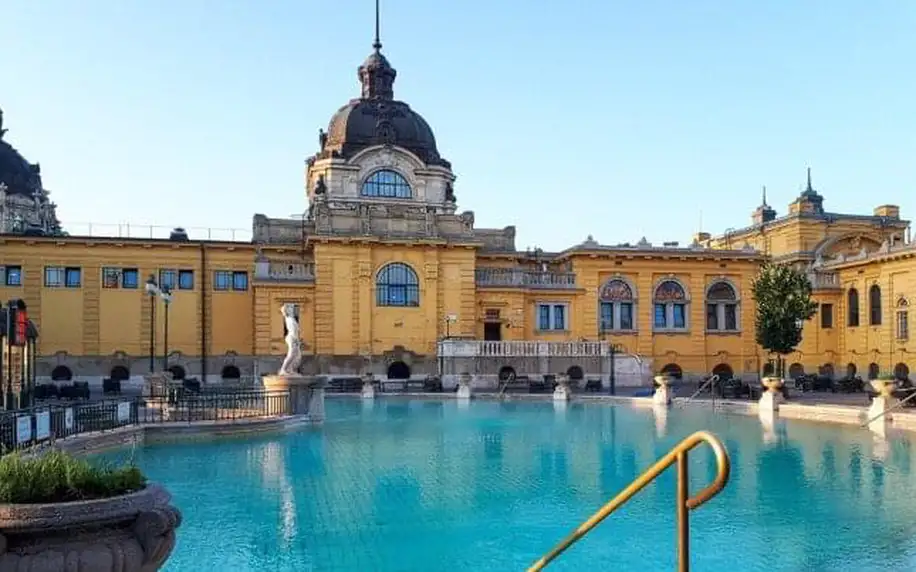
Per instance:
x=368, y=391
x=306, y=393
x=769, y=403
x=464, y=387
x=662, y=396
x=561, y=393
x=880, y=405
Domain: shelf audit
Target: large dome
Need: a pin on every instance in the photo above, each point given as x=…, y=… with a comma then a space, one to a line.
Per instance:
x=376, y=118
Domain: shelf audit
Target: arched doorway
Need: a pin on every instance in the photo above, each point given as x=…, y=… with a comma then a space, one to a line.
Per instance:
x=724, y=371
x=61, y=373
x=398, y=370
x=901, y=372
x=506, y=373
x=769, y=369
x=873, y=371
x=851, y=370
x=575, y=373
x=826, y=370
x=796, y=370
x=119, y=373
x=231, y=372
x=672, y=370
x=177, y=372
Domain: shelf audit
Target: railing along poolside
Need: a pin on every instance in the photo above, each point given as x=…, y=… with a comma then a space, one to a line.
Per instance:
x=43, y=424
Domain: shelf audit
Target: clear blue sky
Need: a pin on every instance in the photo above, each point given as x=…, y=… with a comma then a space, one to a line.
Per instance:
x=613, y=118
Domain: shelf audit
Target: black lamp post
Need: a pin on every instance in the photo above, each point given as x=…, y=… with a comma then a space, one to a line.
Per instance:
x=153, y=290
x=166, y=296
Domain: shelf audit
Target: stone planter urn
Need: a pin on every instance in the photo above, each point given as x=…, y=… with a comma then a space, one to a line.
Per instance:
x=561, y=392
x=883, y=387
x=662, y=395
x=772, y=397
x=368, y=391
x=128, y=533
x=464, y=386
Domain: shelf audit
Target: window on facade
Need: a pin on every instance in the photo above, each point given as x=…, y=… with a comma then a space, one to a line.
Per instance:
x=616, y=305
x=670, y=306
x=397, y=285
x=874, y=305
x=903, y=319
x=552, y=317
x=852, y=308
x=168, y=279
x=185, y=279
x=240, y=280
x=826, y=316
x=222, y=280
x=63, y=277
x=11, y=275
x=386, y=184
x=721, y=308
x=111, y=277
x=130, y=278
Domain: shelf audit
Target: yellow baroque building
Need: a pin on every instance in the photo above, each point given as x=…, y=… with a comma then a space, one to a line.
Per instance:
x=384, y=267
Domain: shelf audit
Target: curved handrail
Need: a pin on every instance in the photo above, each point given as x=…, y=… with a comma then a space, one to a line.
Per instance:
x=894, y=407
x=685, y=503
x=714, y=378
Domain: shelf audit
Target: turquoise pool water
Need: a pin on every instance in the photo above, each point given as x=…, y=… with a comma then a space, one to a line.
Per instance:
x=427, y=485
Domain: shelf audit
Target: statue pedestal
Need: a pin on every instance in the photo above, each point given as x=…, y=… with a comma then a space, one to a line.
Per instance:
x=306, y=394
x=464, y=387
x=561, y=391
x=662, y=395
x=878, y=417
x=769, y=402
x=368, y=391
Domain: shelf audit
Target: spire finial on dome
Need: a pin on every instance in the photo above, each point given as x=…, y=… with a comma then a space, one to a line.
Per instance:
x=764, y=195
x=377, y=44
x=809, y=187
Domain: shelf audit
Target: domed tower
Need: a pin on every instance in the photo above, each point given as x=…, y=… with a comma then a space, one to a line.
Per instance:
x=378, y=152
x=24, y=204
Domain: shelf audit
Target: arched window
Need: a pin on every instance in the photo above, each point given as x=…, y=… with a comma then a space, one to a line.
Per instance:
x=851, y=370
x=231, y=372
x=852, y=308
x=386, y=184
x=903, y=319
x=396, y=285
x=873, y=371
x=874, y=305
x=670, y=306
x=673, y=370
x=721, y=308
x=616, y=305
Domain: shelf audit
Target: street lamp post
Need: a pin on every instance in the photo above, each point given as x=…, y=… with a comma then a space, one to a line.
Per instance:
x=166, y=296
x=153, y=290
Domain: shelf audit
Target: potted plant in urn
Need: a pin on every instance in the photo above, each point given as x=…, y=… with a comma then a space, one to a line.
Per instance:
x=782, y=297
x=884, y=384
x=58, y=512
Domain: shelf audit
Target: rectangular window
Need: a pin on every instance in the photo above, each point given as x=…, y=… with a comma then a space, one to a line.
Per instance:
x=544, y=317
x=168, y=279
x=559, y=317
x=607, y=316
x=826, y=316
x=239, y=281
x=130, y=278
x=712, y=316
x=111, y=277
x=185, y=279
x=661, y=316
x=54, y=277
x=679, y=314
x=73, y=277
x=731, y=317
x=552, y=317
x=626, y=315
x=222, y=280
x=11, y=275
x=903, y=325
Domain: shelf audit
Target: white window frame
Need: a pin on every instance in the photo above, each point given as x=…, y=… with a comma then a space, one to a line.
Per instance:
x=552, y=305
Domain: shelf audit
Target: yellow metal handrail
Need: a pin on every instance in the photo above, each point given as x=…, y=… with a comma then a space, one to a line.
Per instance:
x=685, y=503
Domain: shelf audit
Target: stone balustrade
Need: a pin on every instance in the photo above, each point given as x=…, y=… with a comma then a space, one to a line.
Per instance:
x=520, y=278
x=285, y=271
x=824, y=280
x=480, y=348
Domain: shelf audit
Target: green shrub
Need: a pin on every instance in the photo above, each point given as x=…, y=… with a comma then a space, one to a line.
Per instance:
x=887, y=377
x=59, y=477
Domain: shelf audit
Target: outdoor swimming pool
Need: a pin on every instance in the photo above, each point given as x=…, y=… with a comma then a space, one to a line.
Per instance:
x=400, y=485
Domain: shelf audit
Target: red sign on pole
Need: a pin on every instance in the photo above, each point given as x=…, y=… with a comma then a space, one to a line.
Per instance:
x=22, y=327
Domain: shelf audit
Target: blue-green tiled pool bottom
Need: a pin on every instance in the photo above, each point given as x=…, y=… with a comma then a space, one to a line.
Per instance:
x=428, y=485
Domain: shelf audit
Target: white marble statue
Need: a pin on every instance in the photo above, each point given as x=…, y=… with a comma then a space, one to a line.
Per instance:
x=293, y=347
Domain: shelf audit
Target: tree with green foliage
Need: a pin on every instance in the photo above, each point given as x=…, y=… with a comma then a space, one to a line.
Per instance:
x=783, y=303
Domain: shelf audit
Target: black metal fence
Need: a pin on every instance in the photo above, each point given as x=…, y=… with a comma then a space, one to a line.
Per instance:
x=25, y=428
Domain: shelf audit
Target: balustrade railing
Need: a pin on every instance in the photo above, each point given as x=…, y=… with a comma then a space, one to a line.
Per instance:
x=479, y=348
x=285, y=271
x=516, y=277
x=824, y=280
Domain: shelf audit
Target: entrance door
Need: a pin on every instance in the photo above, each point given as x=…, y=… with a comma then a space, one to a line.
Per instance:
x=492, y=331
